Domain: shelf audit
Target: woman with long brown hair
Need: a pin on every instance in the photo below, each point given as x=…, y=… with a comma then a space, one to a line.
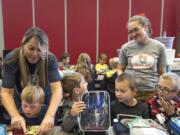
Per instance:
x=31, y=64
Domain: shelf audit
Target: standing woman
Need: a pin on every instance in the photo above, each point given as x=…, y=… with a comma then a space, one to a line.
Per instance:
x=32, y=63
x=143, y=57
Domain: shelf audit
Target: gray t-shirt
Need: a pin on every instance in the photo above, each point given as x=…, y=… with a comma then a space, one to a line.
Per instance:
x=142, y=61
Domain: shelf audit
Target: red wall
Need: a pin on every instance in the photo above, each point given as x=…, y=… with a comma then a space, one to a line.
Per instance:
x=50, y=17
x=152, y=10
x=112, y=25
x=81, y=23
x=16, y=19
x=81, y=28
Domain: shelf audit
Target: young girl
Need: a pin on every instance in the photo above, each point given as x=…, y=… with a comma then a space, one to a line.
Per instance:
x=64, y=61
x=126, y=103
x=84, y=67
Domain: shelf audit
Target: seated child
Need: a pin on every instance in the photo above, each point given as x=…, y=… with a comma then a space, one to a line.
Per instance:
x=126, y=103
x=32, y=109
x=59, y=113
x=101, y=67
x=110, y=77
x=167, y=101
x=75, y=85
x=64, y=61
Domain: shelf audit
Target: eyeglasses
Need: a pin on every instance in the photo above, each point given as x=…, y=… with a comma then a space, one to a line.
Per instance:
x=136, y=29
x=164, y=90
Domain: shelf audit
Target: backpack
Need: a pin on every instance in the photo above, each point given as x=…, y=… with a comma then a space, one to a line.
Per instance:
x=174, y=126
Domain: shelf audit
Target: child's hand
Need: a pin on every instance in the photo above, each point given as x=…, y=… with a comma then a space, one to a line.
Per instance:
x=168, y=107
x=77, y=108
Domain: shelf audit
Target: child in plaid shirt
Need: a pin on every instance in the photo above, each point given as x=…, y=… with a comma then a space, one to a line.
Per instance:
x=167, y=101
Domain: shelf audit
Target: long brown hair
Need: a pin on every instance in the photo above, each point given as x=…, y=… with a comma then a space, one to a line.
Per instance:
x=84, y=66
x=19, y=57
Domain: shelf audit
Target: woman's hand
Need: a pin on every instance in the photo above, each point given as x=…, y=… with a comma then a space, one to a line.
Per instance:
x=18, y=122
x=46, y=125
x=77, y=108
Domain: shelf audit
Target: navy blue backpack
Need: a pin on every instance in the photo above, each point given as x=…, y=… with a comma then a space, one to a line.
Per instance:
x=174, y=126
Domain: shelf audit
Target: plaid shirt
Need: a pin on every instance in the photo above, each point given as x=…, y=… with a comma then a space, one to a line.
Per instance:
x=155, y=107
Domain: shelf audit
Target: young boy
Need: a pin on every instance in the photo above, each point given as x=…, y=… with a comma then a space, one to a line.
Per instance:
x=32, y=109
x=101, y=67
x=167, y=101
x=75, y=85
x=126, y=103
x=64, y=61
x=110, y=77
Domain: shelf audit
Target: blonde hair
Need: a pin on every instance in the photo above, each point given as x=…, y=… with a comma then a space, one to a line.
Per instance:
x=174, y=78
x=114, y=62
x=33, y=94
x=102, y=56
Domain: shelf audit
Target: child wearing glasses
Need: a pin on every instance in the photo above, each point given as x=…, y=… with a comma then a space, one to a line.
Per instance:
x=32, y=108
x=126, y=103
x=167, y=102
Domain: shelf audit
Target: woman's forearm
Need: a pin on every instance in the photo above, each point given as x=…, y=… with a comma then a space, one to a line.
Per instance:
x=8, y=101
x=56, y=90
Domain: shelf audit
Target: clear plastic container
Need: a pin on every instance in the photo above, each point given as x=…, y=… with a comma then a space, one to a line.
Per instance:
x=96, y=116
x=167, y=41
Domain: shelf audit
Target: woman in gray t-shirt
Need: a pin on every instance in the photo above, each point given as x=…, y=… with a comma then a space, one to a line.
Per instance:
x=143, y=57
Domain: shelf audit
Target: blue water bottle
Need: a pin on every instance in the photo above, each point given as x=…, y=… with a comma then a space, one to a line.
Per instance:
x=2, y=129
x=119, y=128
